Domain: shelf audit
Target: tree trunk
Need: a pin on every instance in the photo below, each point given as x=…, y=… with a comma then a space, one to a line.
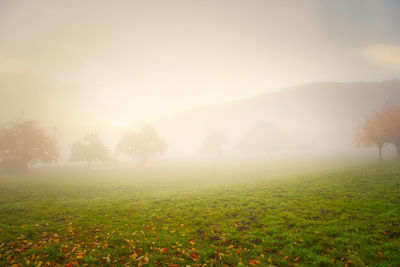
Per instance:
x=380, y=152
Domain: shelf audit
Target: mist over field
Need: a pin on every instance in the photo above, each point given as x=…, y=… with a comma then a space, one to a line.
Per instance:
x=199, y=133
x=190, y=69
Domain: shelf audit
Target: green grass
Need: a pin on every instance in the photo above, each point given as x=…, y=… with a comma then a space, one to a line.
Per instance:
x=209, y=217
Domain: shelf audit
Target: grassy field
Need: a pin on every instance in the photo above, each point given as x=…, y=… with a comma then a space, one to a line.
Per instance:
x=202, y=217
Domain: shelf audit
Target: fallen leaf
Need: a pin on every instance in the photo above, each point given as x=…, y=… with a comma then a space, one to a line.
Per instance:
x=194, y=255
x=254, y=262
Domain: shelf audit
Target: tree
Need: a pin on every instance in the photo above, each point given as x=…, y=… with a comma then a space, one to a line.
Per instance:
x=373, y=131
x=390, y=115
x=214, y=142
x=24, y=142
x=89, y=149
x=143, y=145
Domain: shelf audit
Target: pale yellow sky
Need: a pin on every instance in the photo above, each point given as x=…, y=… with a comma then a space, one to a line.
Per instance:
x=116, y=63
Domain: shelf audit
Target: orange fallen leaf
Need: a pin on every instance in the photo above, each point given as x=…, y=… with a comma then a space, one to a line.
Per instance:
x=194, y=255
x=254, y=262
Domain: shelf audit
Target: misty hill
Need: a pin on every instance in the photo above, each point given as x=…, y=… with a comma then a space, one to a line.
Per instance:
x=310, y=116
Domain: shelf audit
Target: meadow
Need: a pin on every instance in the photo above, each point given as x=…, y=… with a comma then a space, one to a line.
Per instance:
x=196, y=216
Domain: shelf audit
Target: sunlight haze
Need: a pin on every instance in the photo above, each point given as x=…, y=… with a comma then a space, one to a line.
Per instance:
x=199, y=133
x=93, y=66
x=116, y=64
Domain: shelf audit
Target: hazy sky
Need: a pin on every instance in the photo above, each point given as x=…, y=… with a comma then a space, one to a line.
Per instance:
x=121, y=62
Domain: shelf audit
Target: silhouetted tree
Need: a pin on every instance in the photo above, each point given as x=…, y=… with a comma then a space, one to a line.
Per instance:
x=373, y=131
x=214, y=142
x=143, y=145
x=89, y=149
x=24, y=142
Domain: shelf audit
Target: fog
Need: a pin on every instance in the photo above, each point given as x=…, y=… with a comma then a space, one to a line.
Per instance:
x=279, y=79
x=199, y=133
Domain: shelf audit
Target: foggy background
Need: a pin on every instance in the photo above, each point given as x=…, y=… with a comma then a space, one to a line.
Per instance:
x=287, y=77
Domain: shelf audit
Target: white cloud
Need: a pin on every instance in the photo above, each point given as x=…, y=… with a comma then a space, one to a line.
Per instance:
x=384, y=55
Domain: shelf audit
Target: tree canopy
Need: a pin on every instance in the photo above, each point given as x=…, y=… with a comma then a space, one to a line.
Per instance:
x=391, y=121
x=381, y=127
x=144, y=145
x=89, y=149
x=25, y=142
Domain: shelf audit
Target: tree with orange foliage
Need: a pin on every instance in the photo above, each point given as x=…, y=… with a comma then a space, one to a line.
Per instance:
x=373, y=132
x=390, y=116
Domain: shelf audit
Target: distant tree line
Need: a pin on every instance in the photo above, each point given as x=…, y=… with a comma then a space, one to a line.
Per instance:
x=25, y=142
x=378, y=128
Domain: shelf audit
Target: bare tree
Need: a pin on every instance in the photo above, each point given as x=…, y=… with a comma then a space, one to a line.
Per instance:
x=24, y=142
x=89, y=149
x=143, y=145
